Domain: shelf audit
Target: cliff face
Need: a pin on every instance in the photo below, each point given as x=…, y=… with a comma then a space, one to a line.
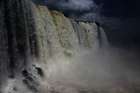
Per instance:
x=30, y=36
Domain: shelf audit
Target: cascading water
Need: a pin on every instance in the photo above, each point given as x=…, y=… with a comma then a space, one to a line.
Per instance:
x=42, y=51
x=18, y=39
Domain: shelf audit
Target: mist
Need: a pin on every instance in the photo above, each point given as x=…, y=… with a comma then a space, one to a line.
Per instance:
x=105, y=68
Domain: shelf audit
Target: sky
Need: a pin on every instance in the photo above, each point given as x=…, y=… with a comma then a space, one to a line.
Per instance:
x=124, y=8
x=72, y=5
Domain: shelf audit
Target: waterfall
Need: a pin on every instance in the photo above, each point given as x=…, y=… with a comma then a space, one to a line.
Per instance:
x=18, y=46
x=30, y=31
x=17, y=36
x=40, y=46
x=102, y=38
x=23, y=38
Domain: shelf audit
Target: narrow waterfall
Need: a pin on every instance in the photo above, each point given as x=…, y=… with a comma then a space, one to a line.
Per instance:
x=102, y=38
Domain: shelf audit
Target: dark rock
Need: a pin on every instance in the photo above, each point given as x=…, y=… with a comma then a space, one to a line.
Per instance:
x=30, y=81
x=39, y=71
x=30, y=85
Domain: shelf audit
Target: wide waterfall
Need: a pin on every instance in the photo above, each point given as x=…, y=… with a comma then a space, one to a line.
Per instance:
x=43, y=51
